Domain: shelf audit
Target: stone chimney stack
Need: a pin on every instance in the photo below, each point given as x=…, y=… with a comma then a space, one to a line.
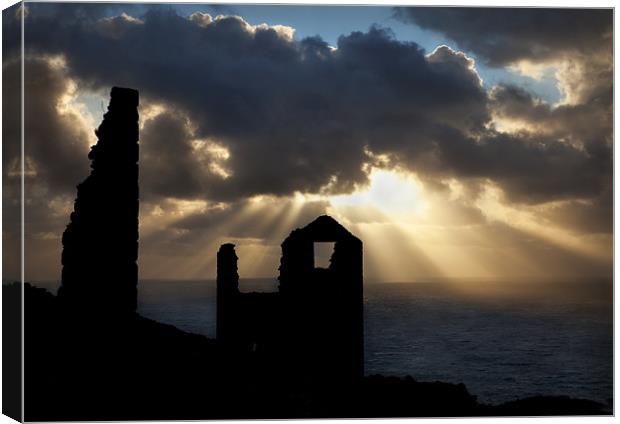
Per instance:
x=227, y=290
x=100, y=244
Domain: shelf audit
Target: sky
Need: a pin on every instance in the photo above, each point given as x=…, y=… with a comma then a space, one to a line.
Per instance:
x=471, y=143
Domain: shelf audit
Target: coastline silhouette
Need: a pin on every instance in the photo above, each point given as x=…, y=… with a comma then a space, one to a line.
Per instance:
x=297, y=353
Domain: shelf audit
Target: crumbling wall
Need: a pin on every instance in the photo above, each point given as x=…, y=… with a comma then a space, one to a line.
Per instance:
x=100, y=244
x=244, y=320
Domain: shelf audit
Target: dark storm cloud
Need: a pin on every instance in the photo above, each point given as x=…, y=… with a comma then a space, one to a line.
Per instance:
x=584, y=132
x=530, y=169
x=55, y=147
x=505, y=35
x=589, y=123
x=295, y=116
x=168, y=162
x=11, y=142
x=578, y=41
x=55, y=142
x=301, y=116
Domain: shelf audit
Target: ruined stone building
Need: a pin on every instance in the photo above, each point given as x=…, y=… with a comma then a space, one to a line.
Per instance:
x=313, y=325
x=100, y=244
x=312, y=328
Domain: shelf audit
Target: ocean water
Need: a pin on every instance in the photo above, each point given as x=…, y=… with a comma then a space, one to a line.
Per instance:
x=503, y=340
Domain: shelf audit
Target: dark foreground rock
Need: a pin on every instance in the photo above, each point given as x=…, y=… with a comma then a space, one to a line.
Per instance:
x=87, y=368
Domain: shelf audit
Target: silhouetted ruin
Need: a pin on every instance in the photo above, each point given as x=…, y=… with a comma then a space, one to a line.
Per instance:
x=100, y=244
x=295, y=353
x=314, y=324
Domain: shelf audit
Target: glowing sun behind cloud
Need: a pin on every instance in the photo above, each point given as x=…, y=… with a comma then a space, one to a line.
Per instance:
x=415, y=232
x=394, y=194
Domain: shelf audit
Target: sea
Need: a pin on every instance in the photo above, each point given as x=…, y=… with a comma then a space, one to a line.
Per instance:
x=503, y=340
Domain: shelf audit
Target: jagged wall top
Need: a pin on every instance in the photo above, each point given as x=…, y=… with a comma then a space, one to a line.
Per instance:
x=100, y=244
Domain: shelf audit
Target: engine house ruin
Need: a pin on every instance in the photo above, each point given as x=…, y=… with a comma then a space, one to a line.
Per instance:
x=313, y=326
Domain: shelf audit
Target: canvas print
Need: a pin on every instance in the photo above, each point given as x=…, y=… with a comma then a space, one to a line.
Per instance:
x=246, y=211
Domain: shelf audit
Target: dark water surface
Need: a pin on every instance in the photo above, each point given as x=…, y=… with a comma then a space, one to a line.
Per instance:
x=503, y=340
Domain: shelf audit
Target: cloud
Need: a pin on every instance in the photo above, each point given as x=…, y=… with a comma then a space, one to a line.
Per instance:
x=576, y=43
x=502, y=35
x=56, y=141
x=579, y=125
x=173, y=163
x=299, y=116
x=115, y=26
x=244, y=110
x=592, y=216
x=57, y=137
x=264, y=95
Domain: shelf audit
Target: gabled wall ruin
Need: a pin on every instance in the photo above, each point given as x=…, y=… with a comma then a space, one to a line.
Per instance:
x=313, y=325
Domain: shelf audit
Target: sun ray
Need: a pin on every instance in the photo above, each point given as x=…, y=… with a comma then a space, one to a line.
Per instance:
x=526, y=222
